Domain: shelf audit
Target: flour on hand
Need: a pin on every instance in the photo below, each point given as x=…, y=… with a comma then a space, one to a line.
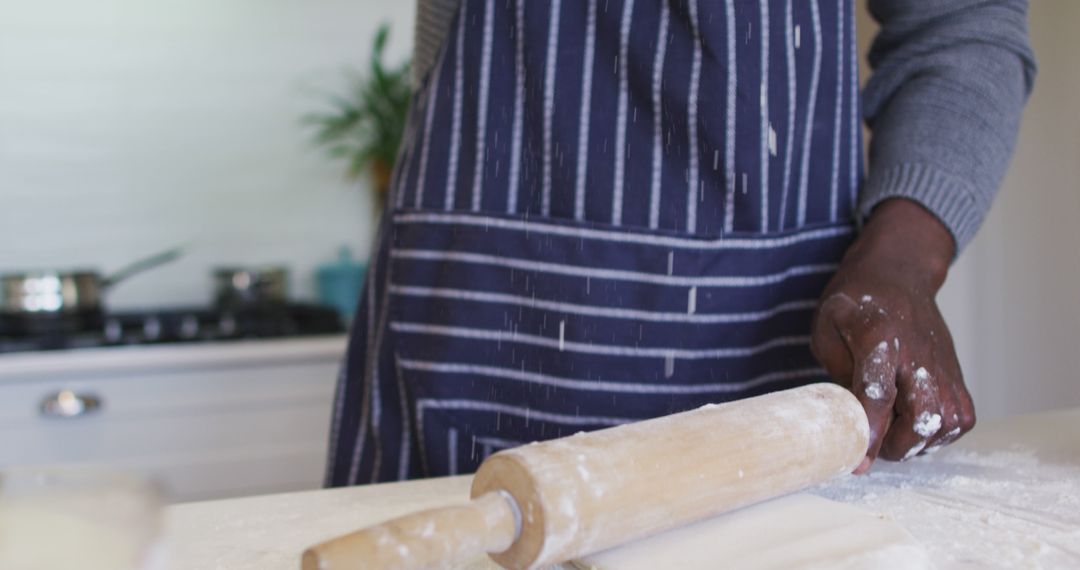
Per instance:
x=877, y=370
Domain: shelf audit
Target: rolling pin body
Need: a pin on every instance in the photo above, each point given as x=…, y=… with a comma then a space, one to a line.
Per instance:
x=584, y=493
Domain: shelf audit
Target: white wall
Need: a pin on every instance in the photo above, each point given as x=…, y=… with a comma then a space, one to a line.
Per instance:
x=1013, y=298
x=129, y=126
x=1024, y=269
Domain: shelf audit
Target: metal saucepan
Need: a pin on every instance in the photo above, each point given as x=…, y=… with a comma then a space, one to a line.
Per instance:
x=68, y=292
x=245, y=286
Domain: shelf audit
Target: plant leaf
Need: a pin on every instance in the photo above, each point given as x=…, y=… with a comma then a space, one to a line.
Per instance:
x=366, y=124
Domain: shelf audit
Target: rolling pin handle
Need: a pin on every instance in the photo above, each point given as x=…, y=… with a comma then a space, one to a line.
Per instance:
x=435, y=538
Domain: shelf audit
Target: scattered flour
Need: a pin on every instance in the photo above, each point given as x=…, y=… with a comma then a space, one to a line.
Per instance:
x=998, y=510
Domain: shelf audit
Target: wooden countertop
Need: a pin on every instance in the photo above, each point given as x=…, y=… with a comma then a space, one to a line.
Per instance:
x=1007, y=495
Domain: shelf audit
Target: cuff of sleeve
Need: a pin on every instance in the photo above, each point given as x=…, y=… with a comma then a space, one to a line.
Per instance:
x=947, y=197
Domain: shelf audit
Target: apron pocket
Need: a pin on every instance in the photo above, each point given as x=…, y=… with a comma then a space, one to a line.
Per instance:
x=509, y=330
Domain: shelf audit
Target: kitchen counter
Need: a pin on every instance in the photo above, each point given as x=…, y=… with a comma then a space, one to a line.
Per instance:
x=1005, y=496
x=87, y=362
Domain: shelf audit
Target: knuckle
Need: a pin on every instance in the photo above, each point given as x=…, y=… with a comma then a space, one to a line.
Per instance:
x=835, y=302
x=872, y=332
x=955, y=425
x=892, y=305
x=966, y=420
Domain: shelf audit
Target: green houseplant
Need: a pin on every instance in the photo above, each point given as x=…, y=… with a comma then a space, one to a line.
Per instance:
x=365, y=125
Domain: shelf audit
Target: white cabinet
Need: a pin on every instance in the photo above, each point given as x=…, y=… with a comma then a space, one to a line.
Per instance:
x=208, y=421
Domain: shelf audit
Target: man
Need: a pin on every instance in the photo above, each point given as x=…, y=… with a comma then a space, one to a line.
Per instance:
x=611, y=210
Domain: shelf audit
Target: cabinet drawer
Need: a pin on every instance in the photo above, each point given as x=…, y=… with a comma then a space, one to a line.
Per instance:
x=142, y=395
x=205, y=431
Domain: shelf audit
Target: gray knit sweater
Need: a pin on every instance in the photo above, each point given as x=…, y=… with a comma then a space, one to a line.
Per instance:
x=949, y=82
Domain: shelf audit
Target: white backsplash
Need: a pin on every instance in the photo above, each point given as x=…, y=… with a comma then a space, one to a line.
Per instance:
x=127, y=127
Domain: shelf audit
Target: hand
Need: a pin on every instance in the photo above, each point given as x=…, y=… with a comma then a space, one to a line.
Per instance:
x=878, y=332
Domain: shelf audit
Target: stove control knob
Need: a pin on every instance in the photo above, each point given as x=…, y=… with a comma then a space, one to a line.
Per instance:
x=189, y=327
x=114, y=331
x=227, y=325
x=152, y=328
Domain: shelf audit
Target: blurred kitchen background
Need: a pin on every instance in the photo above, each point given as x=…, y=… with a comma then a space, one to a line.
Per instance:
x=128, y=128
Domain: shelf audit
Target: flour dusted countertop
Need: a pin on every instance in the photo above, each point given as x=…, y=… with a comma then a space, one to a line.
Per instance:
x=1007, y=496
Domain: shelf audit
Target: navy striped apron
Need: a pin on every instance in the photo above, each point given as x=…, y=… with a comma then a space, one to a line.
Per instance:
x=604, y=211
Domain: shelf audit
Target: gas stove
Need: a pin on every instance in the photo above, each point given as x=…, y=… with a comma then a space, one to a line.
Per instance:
x=159, y=326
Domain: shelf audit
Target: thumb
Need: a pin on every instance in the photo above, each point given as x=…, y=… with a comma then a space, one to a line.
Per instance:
x=873, y=383
x=845, y=343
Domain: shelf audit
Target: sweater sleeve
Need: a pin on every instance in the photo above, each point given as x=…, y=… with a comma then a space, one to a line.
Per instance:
x=949, y=82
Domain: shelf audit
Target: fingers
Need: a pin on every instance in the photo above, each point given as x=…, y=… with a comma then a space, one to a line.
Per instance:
x=865, y=361
x=913, y=393
x=919, y=419
x=933, y=407
x=958, y=416
x=828, y=341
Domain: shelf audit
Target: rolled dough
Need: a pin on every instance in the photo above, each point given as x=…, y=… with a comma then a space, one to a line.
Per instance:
x=797, y=531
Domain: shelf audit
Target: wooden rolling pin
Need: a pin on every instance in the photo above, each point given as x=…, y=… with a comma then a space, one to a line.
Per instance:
x=550, y=502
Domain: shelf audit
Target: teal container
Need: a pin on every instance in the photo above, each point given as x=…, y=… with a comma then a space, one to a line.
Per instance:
x=340, y=284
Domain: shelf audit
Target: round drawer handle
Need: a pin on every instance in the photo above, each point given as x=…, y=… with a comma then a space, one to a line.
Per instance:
x=68, y=404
